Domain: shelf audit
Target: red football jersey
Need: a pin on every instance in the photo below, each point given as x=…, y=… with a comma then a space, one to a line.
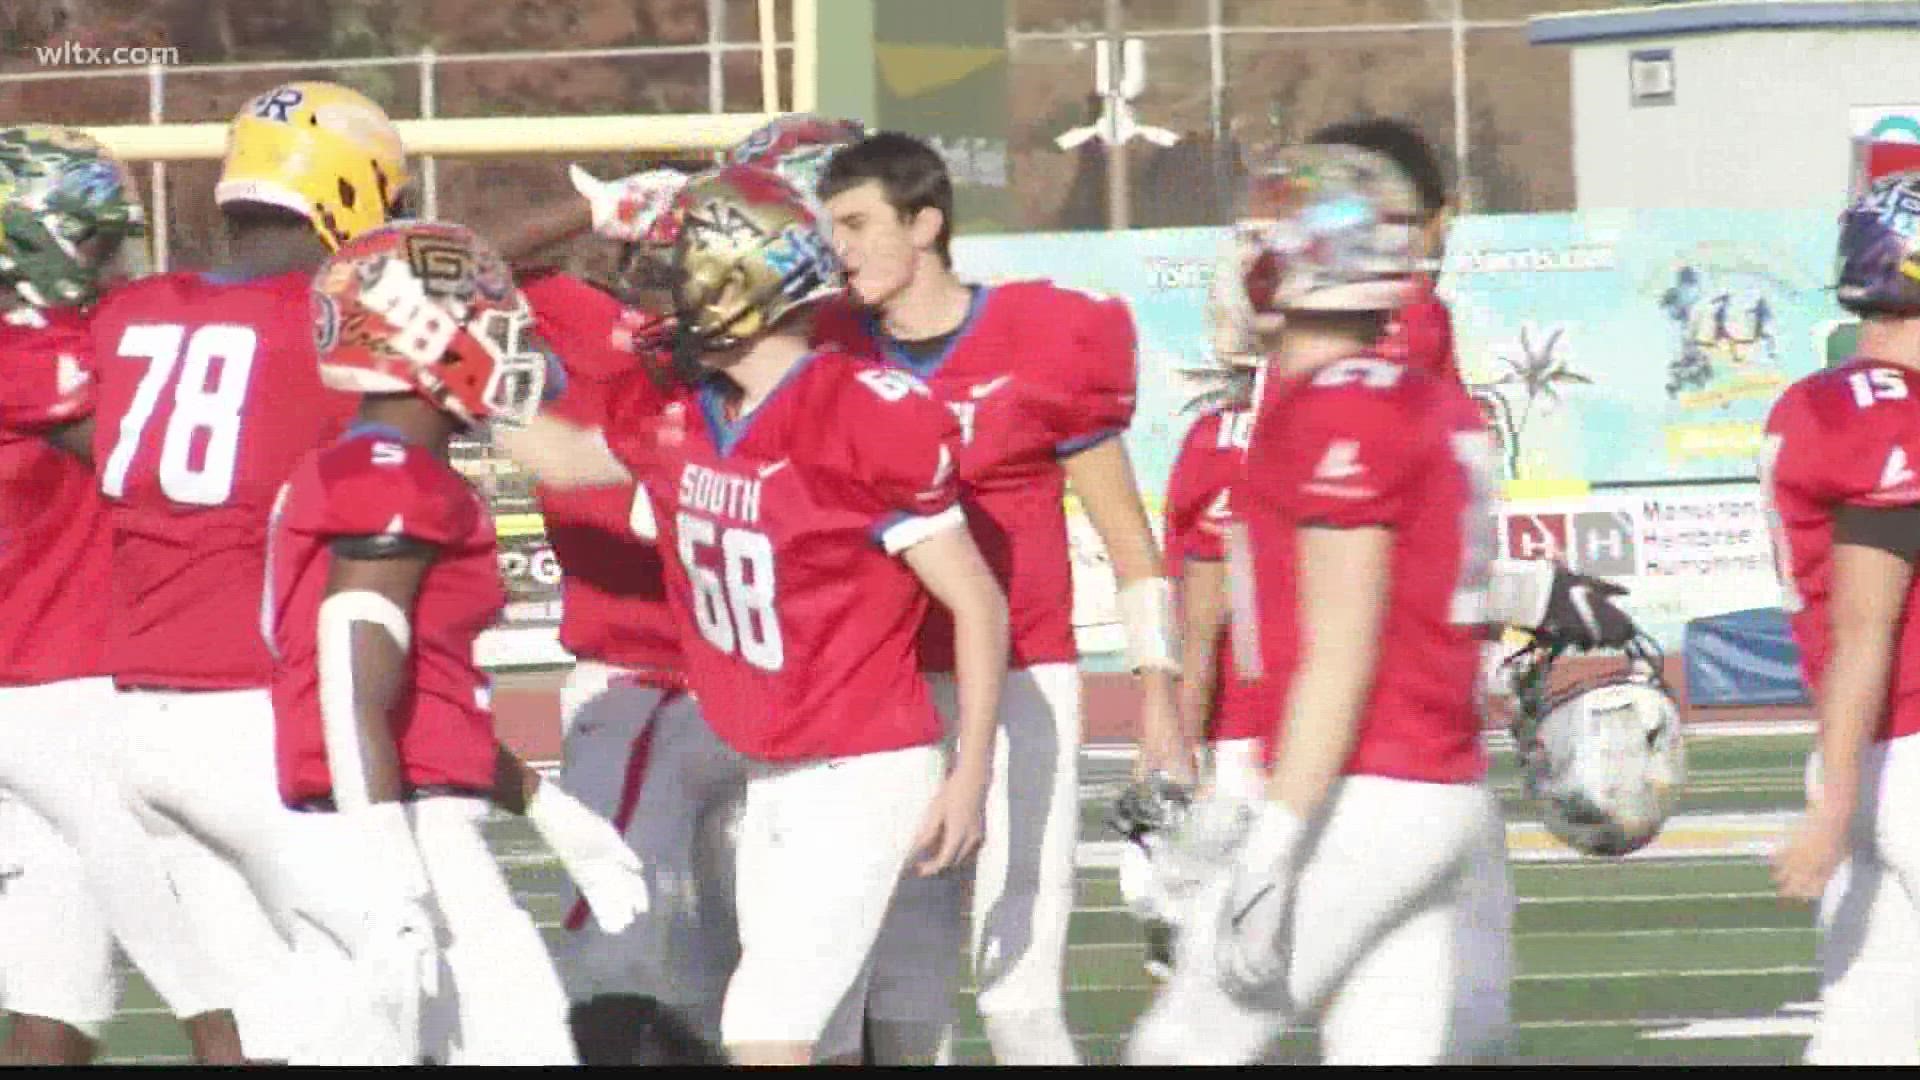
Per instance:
x=209, y=392
x=370, y=483
x=799, y=624
x=55, y=541
x=1365, y=442
x=1847, y=436
x=613, y=594
x=1198, y=515
x=1035, y=374
x=1421, y=334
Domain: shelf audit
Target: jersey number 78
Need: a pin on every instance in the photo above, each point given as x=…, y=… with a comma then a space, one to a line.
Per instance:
x=205, y=375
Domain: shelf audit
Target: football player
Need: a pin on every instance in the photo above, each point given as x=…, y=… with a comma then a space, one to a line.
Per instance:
x=635, y=746
x=384, y=572
x=806, y=501
x=208, y=394
x=1421, y=332
x=69, y=220
x=1363, y=543
x=1844, y=509
x=1041, y=380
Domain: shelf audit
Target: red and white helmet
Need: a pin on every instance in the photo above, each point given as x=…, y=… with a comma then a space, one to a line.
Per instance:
x=1327, y=228
x=429, y=308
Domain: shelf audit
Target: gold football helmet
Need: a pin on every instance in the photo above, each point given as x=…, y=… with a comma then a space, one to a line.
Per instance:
x=750, y=252
x=319, y=150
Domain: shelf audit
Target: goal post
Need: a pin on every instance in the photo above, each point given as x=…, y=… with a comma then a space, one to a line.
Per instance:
x=489, y=136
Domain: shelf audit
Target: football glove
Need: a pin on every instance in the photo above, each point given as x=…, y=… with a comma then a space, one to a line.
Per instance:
x=633, y=209
x=610, y=876
x=1252, y=952
x=396, y=962
x=1581, y=612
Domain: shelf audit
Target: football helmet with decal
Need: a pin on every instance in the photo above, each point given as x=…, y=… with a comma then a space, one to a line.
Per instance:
x=750, y=253
x=797, y=147
x=322, y=151
x=67, y=208
x=429, y=308
x=1325, y=228
x=1880, y=249
x=1605, y=755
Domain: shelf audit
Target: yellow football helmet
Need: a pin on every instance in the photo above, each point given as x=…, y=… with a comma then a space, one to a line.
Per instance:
x=317, y=149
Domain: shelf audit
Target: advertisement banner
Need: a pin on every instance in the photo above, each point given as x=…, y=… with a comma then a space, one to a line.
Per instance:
x=1639, y=348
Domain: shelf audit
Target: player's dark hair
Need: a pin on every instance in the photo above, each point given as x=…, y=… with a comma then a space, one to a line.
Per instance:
x=1365, y=326
x=910, y=173
x=1400, y=143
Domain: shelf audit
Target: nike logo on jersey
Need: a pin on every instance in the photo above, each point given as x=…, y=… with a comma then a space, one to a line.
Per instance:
x=1895, y=473
x=1341, y=461
x=1217, y=509
x=991, y=386
x=768, y=470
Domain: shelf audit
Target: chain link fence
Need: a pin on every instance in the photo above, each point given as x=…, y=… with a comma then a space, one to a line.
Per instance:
x=1213, y=76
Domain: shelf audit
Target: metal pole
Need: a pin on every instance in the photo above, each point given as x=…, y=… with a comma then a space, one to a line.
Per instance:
x=1119, y=196
x=429, y=167
x=806, y=55
x=156, y=110
x=1217, y=95
x=769, y=59
x=1463, y=180
x=716, y=71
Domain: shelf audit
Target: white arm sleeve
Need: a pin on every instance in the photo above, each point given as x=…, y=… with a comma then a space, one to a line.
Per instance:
x=339, y=720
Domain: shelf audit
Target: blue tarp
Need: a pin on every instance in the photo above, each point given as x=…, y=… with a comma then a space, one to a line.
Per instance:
x=1742, y=658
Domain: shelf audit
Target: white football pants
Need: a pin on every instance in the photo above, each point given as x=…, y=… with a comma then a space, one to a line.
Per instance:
x=85, y=868
x=1373, y=947
x=643, y=758
x=1022, y=885
x=267, y=886
x=1869, y=945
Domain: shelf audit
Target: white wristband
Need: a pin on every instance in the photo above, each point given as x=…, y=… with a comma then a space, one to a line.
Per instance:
x=1146, y=613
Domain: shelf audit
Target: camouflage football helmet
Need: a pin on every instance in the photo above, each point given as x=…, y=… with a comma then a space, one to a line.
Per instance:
x=750, y=252
x=67, y=206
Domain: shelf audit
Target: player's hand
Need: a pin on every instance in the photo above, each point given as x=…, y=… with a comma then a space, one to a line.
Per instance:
x=609, y=875
x=1581, y=612
x=1252, y=945
x=396, y=960
x=398, y=965
x=642, y=332
x=955, y=823
x=633, y=209
x=1814, y=850
x=1164, y=744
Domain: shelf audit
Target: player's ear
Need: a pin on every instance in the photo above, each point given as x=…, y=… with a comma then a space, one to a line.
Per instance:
x=924, y=228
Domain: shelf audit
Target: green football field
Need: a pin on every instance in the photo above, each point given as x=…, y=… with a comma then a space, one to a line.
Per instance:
x=1681, y=953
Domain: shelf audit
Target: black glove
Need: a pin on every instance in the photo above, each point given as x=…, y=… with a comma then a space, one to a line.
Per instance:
x=1581, y=613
